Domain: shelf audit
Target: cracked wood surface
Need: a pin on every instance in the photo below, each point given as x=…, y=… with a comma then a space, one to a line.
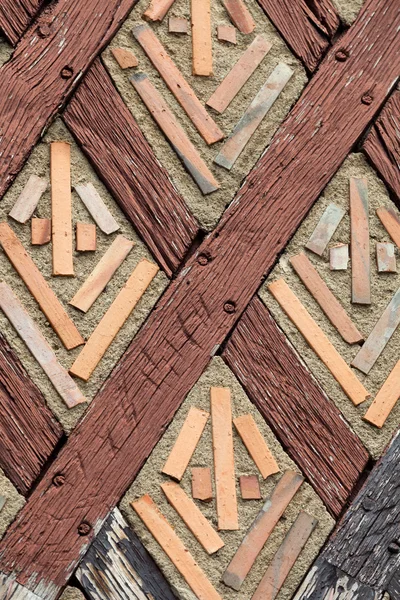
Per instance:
x=15, y=17
x=194, y=316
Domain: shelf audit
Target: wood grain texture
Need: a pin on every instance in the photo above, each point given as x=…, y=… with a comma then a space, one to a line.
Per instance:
x=305, y=26
x=382, y=145
x=295, y=407
x=256, y=445
x=200, y=308
x=359, y=247
x=15, y=17
x=202, y=54
x=29, y=432
x=123, y=159
x=118, y=565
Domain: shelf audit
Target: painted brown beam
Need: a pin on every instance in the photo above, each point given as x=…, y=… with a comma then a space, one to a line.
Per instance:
x=308, y=424
x=15, y=17
x=132, y=410
x=28, y=430
x=110, y=136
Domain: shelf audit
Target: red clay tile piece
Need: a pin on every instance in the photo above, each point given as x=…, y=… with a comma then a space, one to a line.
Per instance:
x=325, y=229
x=385, y=399
x=240, y=15
x=339, y=257
x=85, y=237
x=226, y=33
x=250, y=487
x=256, y=445
x=28, y=200
x=61, y=208
x=157, y=10
x=40, y=231
x=96, y=208
x=125, y=58
x=359, y=247
x=202, y=484
x=391, y=223
x=385, y=258
x=178, y=25
x=202, y=58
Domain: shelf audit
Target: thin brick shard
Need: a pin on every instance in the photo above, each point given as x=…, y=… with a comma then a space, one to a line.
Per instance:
x=285, y=558
x=201, y=38
x=202, y=484
x=125, y=58
x=175, y=81
x=379, y=336
x=239, y=74
x=385, y=257
x=226, y=33
x=157, y=10
x=325, y=298
x=253, y=116
x=178, y=25
x=339, y=257
x=360, y=258
x=85, y=237
x=40, y=231
x=186, y=443
x=318, y=341
x=174, y=133
x=61, y=208
x=39, y=348
x=256, y=445
x=96, y=207
x=166, y=537
x=240, y=15
x=385, y=399
x=325, y=229
x=249, y=487
x=261, y=529
x=391, y=223
x=28, y=200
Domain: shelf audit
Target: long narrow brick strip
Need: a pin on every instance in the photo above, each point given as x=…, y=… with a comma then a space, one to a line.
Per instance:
x=39, y=347
x=239, y=74
x=186, y=443
x=325, y=229
x=96, y=207
x=39, y=288
x=174, y=79
x=102, y=273
x=318, y=341
x=40, y=232
x=391, y=223
x=141, y=397
x=326, y=300
x=385, y=257
x=261, y=529
x=256, y=445
x=113, y=320
x=115, y=145
x=157, y=10
x=339, y=257
x=192, y=517
x=379, y=336
x=201, y=37
x=61, y=208
x=162, y=531
x=359, y=247
x=240, y=15
x=385, y=400
x=28, y=200
x=253, y=116
x=224, y=460
x=202, y=484
x=285, y=558
x=178, y=139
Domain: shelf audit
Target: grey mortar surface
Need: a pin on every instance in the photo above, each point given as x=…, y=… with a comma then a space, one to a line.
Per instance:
x=14, y=503
x=348, y=10
x=72, y=593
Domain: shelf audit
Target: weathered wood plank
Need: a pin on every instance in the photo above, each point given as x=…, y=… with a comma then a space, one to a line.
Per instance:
x=123, y=159
x=96, y=207
x=192, y=319
x=294, y=406
x=118, y=565
x=359, y=247
x=28, y=200
x=256, y=445
x=202, y=55
x=15, y=17
x=385, y=257
x=325, y=229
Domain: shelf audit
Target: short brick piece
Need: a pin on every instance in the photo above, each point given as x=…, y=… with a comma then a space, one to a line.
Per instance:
x=391, y=223
x=240, y=15
x=202, y=484
x=256, y=445
x=125, y=58
x=61, y=208
x=85, y=237
x=201, y=38
x=226, y=33
x=40, y=231
x=385, y=399
x=96, y=207
x=250, y=487
x=28, y=200
x=339, y=257
x=359, y=247
x=325, y=229
x=157, y=10
x=385, y=258
x=178, y=25
x=186, y=443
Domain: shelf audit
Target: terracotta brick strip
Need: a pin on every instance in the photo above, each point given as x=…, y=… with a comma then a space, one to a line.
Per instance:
x=192, y=517
x=285, y=558
x=186, y=443
x=40, y=231
x=157, y=10
x=339, y=257
x=202, y=484
x=113, y=320
x=102, y=273
x=201, y=37
x=224, y=461
x=174, y=79
x=39, y=288
x=61, y=208
x=96, y=207
x=250, y=487
x=28, y=200
x=261, y=529
x=385, y=399
x=39, y=347
x=391, y=223
x=174, y=133
x=359, y=247
x=325, y=298
x=318, y=341
x=379, y=336
x=162, y=531
x=239, y=74
x=253, y=116
x=85, y=237
x=325, y=229
x=125, y=58
x=256, y=445
x=240, y=15
x=385, y=257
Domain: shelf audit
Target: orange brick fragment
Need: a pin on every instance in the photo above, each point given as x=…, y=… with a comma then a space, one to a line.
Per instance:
x=178, y=25
x=202, y=484
x=85, y=237
x=186, y=443
x=114, y=319
x=256, y=446
x=61, y=208
x=192, y=517
x=224, y=462
x=174, y=548
x=201, y=38
x=391, y=223
x=250, y=487
x=385, y=399
x=125, y=58
x=157, y=10
x=239, y=15
x=318, y=341
x=40, y=231
x=39, y=288
x=226, y=33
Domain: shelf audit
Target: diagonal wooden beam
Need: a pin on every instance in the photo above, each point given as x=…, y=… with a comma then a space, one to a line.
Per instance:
x=15, y=17
x=130, y=413
x=307, y=423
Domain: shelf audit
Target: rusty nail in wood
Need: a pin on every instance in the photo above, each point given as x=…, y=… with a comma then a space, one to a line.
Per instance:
x=84, y=528
x=367, y=99
x=342, y=55
x=67, y=72
x=394, y=547
x=368, y=504
x=203, y=260
x=44, y=30
x=229, y=307
x=58, y=480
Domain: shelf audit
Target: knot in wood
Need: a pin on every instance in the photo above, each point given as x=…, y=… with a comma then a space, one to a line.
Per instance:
x=84, y=528
x=44, y=30
x=203, y=260
x=342, y=55
x=367, y=99
x=67, y=72
x=368, y=504
x=230, y=307
x=59, y=480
